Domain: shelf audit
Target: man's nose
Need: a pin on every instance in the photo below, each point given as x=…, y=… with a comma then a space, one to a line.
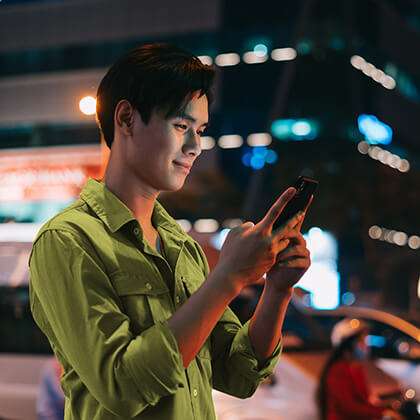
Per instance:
x=193, y=143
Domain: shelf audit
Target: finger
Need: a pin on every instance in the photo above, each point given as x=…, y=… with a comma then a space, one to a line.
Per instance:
x=292, y=252
x=247, y=225
x=281, y=245
x=299, y=226
x=285, y=242
x=309, y=203
x=272, y=215
x=294, y=236
x=286, y=229
x=302, y=263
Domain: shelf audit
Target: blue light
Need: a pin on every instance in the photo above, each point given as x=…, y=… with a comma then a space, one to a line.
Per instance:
x=246, y=159
x=257, y=162
x=304, y=47
x=295, y=129
x=281, y=129
x=348, y=298
x=322, y=279
x=271, y=157
x=260, y=151
x=375, y=131
x=258, y=157
x=260, y=50
x=375, y=341
x=218, y=239
x=301, y=128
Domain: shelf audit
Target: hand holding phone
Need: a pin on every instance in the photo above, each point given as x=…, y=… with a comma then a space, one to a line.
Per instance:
x=305, y=189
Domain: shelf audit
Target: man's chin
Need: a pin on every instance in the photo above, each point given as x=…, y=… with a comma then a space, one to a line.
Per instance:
x=173, y=187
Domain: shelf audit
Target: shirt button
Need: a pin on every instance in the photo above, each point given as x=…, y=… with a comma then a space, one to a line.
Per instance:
x=195, y=392
x=177, y=299
x=136, y=231
x=148, y=286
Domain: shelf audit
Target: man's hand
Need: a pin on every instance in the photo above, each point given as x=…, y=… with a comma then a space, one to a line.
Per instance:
x=291, y=264
x=250, y=250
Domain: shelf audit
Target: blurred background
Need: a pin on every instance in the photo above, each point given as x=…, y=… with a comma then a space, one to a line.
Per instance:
x=325, y=89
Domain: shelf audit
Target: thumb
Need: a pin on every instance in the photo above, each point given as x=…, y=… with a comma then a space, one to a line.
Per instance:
x=247, y=225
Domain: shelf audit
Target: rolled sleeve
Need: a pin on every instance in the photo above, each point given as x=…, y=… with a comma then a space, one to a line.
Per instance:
x=154, y=358
x=244, y=359
x=73, y=301
x=236, y=368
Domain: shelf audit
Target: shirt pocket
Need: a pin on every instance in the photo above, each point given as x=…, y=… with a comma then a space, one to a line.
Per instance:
x=145, y=301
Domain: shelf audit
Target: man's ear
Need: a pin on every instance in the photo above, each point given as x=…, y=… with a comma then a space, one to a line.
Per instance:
x=124, y=116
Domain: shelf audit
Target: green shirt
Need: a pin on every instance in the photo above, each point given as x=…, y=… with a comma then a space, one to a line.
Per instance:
x=103, y=296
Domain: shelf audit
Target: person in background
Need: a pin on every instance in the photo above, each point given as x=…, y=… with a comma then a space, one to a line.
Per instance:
x=50, y=401
x=343, y=392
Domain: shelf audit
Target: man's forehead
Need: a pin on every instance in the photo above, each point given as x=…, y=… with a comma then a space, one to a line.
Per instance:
x=195, y=109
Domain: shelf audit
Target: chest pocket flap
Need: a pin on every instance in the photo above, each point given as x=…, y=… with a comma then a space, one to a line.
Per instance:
x=129, y=284
x=145, y=299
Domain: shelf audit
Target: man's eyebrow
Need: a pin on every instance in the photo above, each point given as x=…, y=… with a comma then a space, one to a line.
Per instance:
x=189, y=117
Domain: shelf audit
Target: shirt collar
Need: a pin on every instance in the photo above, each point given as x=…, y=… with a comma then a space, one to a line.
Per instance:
x=115, y=214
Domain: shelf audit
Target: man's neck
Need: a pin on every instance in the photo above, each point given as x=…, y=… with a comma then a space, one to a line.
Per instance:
x=140, y=201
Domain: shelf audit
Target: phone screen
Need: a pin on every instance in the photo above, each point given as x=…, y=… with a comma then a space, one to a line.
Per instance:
x=305, y=187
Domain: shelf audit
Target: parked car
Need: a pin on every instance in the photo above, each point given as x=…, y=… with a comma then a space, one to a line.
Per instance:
x=393, y=371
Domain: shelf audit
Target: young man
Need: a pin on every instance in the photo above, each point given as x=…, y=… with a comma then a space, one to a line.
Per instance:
x=124, y=295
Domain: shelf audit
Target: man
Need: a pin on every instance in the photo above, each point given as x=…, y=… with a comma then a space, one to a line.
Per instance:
x=141, y=327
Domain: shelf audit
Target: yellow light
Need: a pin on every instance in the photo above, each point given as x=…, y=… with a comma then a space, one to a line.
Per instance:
x=363, y=147
x=251, y=57
x=205, y=59
x=283, y=54
x=206, y=225
x=259, y=139
x=404, y=165
x=354, y=323
x=368, y=69
x=88, y=105
x=414, y=242
x=388, y=82
x=185, y=224
x=357, y=61
x=207, y=143
x=410, y=393
x=375, y=232
x=227, y=59
x=230, y=141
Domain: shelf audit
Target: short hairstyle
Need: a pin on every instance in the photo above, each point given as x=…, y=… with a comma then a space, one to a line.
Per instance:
x=152, y=77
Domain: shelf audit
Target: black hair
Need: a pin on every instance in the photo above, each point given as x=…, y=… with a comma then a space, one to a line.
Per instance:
x=152, y=77
x=346, y=346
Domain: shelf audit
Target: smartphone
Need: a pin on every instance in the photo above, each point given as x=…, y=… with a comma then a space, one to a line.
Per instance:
x=305, y=187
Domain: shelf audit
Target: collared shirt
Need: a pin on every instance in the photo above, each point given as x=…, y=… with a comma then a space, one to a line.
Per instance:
x=103, y=296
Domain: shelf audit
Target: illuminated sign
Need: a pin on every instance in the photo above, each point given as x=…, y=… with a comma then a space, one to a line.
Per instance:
x=48, y=173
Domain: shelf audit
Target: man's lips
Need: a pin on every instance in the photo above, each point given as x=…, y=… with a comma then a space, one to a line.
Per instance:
x=184, y=165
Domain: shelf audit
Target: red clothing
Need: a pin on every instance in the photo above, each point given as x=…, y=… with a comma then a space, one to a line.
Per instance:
x=348, y=394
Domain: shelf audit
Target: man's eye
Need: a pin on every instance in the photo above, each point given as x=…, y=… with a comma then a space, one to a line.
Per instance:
x=182, y=126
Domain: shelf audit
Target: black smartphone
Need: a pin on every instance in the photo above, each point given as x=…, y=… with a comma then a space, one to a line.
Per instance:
x=305, y=187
